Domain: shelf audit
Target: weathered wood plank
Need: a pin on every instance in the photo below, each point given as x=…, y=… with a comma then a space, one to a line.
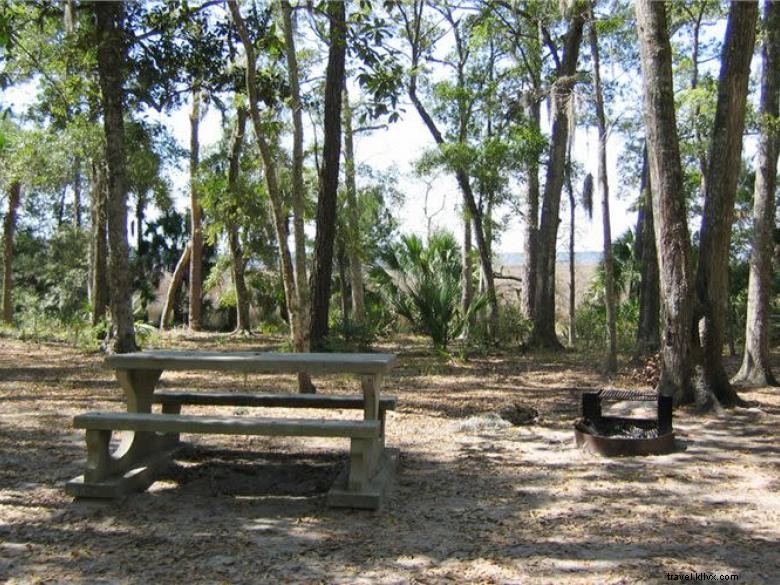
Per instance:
x=226, y=425
x=269, y=400
x=254, y=362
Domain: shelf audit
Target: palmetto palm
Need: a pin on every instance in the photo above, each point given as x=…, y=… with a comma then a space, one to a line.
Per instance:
x=423, y=284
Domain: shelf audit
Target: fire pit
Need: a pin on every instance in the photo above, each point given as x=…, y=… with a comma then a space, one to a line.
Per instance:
x=615, y=436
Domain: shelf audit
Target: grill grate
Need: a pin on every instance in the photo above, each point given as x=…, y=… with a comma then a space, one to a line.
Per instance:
x=591, y=407
x=617, y=395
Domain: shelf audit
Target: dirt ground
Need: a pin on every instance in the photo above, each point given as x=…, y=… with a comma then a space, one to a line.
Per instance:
x=473, y=502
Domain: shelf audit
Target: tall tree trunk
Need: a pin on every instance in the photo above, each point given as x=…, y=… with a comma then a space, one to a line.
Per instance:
x=173, y=286
x=59, y=208
x=647, y=335
x=234, y=242
x=77, y=193
x=99, y=244
x=543, y=334
x=609, y=270
x=196, y=229
x=572, y=261
x=723, y=173
x=353, y=218
x=695, y=48
x=301, y=339
x=756, y=369
x=111, y=65
x=669, y=214
x=531, y=220
x=272, y=183
x=140, y=213
x=341, y=262
x=329, y=175
x=9, y=227
x=467, y=295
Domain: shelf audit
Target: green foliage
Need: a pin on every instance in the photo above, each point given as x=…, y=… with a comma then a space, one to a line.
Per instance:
x=591, y=324
x=514, y=329
x=422, y=283
x=51, y=275
x=348, y=335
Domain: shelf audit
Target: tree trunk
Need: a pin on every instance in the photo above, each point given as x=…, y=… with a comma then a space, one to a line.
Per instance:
x=9, y=227
x=353, y=225
x=59, y=208
x=77, y=193
x=272, y=184
x=329, y=176
x=723, y=167
x=234, y=242
x=543, y=334
x=756, y=369
x=301, y=339
x=196, y=229
x=530, y=240
x=471, y=210
x=99, y=245
x=111, y=65
x=173, y=287
x=572, y=262
x=669, y=214
x=467, y=294
x=341, y=262
x=609, y=270
x=140, y=213
x=647, y=336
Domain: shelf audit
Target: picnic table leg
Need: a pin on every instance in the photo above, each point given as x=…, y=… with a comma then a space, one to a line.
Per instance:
x=138, y=386
x=371, y=466
x=372, y=386
x=135, y=462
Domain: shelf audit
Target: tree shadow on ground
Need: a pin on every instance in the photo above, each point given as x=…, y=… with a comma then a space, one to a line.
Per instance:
x=500, y=505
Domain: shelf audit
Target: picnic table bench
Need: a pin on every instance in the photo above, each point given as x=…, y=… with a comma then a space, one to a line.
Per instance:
x=151, y=438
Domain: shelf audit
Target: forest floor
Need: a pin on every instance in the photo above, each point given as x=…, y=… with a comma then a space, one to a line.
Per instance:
x=473, y=502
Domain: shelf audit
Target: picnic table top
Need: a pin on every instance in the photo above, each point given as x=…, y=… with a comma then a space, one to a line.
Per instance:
x=254, y=361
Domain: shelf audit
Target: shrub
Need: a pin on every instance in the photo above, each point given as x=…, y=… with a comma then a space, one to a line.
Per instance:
x=423, y=285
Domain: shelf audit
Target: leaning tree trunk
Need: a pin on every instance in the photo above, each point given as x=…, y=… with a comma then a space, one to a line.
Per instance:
x=111, y=65
x=173, y=286
x=99, y=245
x=647, y=335
x=669, y=214
x=9, y=227
x=543, y=334
x=196, y=212
x=353, y=219
x=234, y=242
x=724, y=160
x=609, y=269
x=329, y=176
x=471, y=210
x=272, y=183
x=467, y=294
x=756, y=369
x=301, y=337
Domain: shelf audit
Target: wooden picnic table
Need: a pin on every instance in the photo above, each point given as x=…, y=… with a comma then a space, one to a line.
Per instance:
x=151, y=438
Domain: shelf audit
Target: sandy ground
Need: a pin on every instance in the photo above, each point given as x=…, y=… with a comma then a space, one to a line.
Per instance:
x=472, y=503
